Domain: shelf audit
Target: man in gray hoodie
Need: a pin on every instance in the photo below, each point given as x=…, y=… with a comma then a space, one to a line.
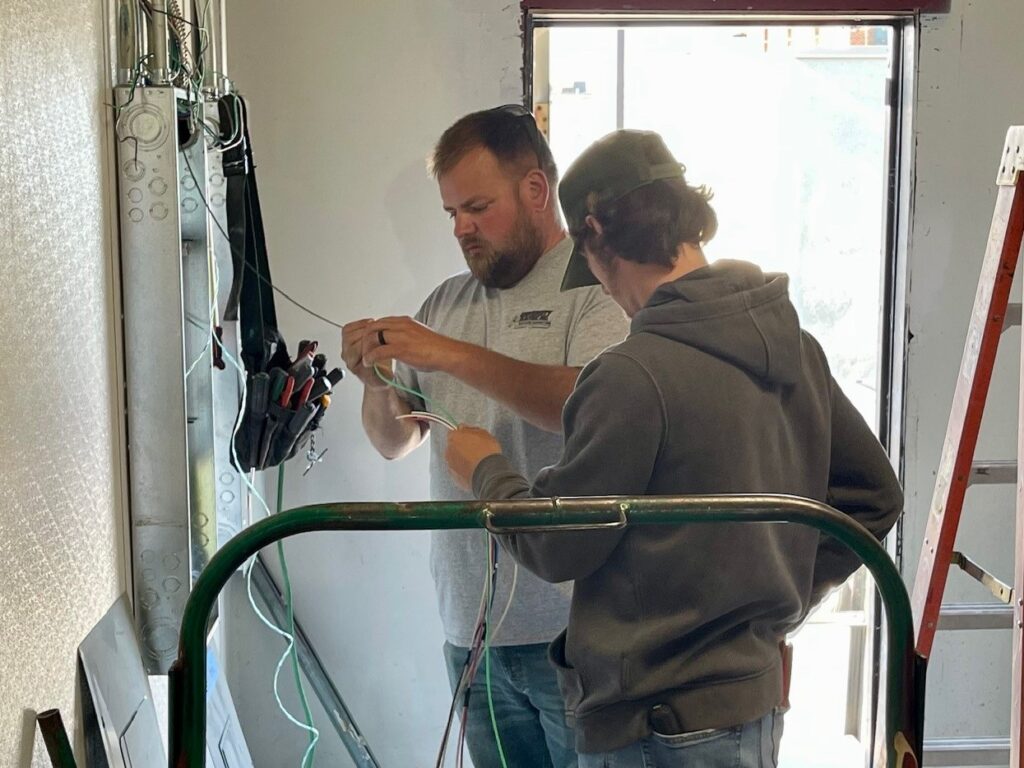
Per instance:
x=671, y=655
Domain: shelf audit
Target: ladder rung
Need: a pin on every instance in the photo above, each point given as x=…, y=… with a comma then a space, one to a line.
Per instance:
x=984, y=751
x=1012, y=317
x=992, y=472
x=975, y=616
x=995, y=586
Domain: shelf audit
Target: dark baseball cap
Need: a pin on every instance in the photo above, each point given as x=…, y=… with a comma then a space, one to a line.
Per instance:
x=610, y=168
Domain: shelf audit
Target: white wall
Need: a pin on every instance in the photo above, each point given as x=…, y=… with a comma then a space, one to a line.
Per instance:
x=966, y=100
x=346, y=100
x=60, y=531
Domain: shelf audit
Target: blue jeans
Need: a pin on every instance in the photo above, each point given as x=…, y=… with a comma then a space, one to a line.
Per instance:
x=528, y=708
x=752, y=745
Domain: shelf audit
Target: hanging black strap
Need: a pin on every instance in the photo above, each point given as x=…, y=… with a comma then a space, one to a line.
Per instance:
x=251, y=299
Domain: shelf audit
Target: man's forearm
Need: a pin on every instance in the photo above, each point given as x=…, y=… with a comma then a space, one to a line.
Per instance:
x=392, y=437
x=535, y=393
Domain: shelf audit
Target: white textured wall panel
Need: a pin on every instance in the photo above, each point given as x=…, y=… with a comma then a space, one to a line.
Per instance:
x=59, y=525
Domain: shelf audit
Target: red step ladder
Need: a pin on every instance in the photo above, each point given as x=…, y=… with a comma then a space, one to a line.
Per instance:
x=957, y=471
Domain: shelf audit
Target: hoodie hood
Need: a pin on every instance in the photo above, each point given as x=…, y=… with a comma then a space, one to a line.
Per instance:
x=734, y=311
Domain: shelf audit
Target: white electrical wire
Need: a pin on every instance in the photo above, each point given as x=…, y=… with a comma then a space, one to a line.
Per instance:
x=215, y=274
x=280, y=663
x=511, y=594
x=198, y=85
x=238, y=129
x=427, y=416
x=471, y=663
x=252, y=562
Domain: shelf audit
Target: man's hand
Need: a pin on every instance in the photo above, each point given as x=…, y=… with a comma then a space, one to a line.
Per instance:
x=402, y=338
x=356, y=341
x=467, y=447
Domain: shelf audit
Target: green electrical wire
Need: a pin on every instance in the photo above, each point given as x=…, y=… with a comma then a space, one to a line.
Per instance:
x=401, y=387
x=291, y=624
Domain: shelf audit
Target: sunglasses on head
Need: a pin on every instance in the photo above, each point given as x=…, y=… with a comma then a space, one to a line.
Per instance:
x=533, y=133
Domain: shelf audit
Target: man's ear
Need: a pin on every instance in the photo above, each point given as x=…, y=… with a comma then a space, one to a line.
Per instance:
x=594, y=224
x=535, y=189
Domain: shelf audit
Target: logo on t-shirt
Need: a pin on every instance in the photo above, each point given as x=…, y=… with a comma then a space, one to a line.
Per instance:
x=536, y=318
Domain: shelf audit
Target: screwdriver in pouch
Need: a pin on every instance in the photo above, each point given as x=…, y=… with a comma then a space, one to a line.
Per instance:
x=278, y=377
x=259, y=397
x=286, y=393
x=325, y=384
x=319, y=364
x=301, y=371
x=303, y=396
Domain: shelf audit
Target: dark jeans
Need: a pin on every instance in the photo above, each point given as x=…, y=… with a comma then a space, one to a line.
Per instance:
x=752, y=745
x=528, y=708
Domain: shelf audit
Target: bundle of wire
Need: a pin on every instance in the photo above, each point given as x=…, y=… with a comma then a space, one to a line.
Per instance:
x=483, y=636
x=478, y=653
x=187, y=74
x=442, y=417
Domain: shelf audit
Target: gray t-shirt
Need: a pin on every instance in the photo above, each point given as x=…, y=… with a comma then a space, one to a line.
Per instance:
x=532, y=321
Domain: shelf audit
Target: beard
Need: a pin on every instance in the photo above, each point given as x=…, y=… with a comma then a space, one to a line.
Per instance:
x=504, y=266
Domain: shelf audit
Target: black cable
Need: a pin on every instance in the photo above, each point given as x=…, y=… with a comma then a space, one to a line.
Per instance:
x=298, y=304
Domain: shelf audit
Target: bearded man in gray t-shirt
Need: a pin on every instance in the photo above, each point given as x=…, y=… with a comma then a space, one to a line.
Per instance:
x=498, y=346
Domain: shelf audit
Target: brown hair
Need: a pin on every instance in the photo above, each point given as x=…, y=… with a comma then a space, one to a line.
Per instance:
x=508, y=132
x=649, y=224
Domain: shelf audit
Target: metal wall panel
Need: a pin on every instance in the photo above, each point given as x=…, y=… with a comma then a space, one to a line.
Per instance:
x=151, y=277
x=226, y=387
x=169, y=313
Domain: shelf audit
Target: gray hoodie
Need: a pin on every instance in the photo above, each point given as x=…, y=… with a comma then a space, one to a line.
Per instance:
x=716, y=390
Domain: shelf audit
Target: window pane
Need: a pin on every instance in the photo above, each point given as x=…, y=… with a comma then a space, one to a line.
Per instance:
x=787, y=125
x=583, y=84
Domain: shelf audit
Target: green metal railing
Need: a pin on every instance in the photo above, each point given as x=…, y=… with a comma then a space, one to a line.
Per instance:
x=901, y=740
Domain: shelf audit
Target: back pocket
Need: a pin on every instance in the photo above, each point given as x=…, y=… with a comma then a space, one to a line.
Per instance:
x=707, y=737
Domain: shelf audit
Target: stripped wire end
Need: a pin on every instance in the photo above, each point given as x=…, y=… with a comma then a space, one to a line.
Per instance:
x=433, y=418
x=449, y=421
